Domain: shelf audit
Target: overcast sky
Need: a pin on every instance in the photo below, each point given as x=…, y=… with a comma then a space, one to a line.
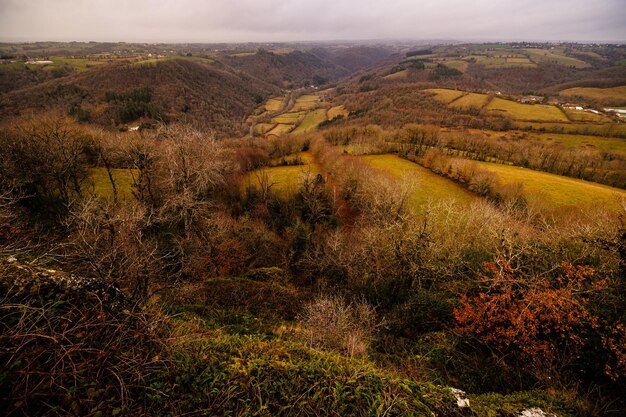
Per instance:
x=295, y=20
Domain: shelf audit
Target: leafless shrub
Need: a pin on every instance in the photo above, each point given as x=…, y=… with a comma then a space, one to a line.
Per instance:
x=333, y=323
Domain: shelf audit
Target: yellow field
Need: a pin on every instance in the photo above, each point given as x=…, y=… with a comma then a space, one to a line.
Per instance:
x=518, y=111
x=470, y=100
x=445, y=95
x=613, y=94
x=577, y=128
x=99, y=183
x=274, y=104
x=556, y=190
x=311, y=121
x=280, y=129
x=307, y=102
x=288, y=118
x=263, y=128
x=337, y=111
x=397, y=75
x=428, y=185
x=585, y=116
x=285, y=181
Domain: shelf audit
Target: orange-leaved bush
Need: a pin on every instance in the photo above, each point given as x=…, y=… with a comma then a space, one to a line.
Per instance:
x=542, y=320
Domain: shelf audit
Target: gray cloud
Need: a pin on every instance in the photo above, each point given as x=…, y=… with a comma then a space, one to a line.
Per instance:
x=291, y=20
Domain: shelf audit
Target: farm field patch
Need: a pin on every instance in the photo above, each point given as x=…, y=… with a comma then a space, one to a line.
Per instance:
x=311, y=121
x=612, y=94
x=428, y=186
x=444, y=95
x=556, y=190
x=518, y=111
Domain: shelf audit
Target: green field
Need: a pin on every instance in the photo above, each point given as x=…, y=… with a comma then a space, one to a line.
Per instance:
x=77, y=64
x=154, y=61
x=428, y=185
x=555, y=56
x=400, y=75
x=337, y=111
x=288, y=118
x=470, y=100
x=286, y=180
x=604, y=129
x=280, y=129
x=311, y=121
x=444, y=95
x=263, y=128
x=555, y=190
x=600, y=143
x=99, y=183
x=504, y=60
x=457, y=64
x=306, y=102
x=613, y=94
x=274, y=104
x=518, y=111
x=585, y=116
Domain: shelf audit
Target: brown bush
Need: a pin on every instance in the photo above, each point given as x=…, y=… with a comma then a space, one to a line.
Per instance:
x=333, y=323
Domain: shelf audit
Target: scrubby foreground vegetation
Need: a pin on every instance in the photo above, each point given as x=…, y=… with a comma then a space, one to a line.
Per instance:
x=381, y=251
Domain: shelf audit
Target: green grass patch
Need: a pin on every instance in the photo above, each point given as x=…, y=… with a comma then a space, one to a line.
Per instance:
x=337, y=111
x=444, y=95
x=154, y=61
x=288, y=118
x=556, y=57
x=100, y=184
x=274, y=104
x=612, y=94
x=263, y=128
x=285, y=181
x=311, y=121
x=427, y=185
x=518, y=111
x=280, y=129
x=555, y=190
x=471, y=100
x=586, y=116
x=600, y=129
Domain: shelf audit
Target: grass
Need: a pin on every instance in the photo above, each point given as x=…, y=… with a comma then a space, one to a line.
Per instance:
x=154, y=61
x=400, y=75
x=518, y=111
x=501, y=61
x=612, y=94
x=555, y=190
x=100, y=184
x=604, y=129
x=555, y=56
x=337, y=111
x=288, y=118
x=474, y=100
x=77, y=64
x=444, y=95
x=274, y=104
x=428, y=185
x=457, y=65
x=311, y=121
x=286, y=180
x=600, y=143
x=585, y=116
x=263, y=128
x=280, y=129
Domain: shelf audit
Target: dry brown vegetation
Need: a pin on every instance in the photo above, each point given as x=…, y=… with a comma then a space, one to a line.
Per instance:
x=211, y=291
